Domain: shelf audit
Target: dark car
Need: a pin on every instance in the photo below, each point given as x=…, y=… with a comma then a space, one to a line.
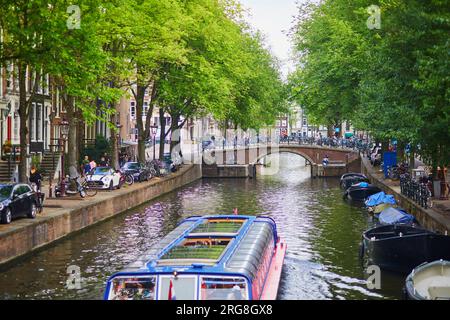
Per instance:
x=139, y=172
x=17, y=200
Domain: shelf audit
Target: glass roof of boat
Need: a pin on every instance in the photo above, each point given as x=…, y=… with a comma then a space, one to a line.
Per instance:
x=206, y=243
x=219, y=226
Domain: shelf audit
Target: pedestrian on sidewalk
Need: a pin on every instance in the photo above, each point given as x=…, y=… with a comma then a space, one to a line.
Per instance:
x=85, y=166
x=103, y=162
x=36, y=178
x=93, y=164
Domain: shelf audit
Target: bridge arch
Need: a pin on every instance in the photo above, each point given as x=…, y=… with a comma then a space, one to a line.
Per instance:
x=284, y=150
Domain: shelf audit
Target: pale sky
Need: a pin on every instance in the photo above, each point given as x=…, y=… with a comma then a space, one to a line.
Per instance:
x=273, y=18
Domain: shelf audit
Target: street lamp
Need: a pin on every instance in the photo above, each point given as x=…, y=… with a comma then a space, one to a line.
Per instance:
x=5, y=114
x=154, y=128
x=64, y=131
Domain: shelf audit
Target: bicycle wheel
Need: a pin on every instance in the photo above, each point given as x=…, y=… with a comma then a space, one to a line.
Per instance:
x=129, y=180
x=90, y=192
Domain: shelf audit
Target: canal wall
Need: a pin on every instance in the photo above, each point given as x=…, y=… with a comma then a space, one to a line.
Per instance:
x=428, y=218
x=27, y=236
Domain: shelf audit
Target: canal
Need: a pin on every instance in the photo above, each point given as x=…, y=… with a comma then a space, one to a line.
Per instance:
x=322, y=231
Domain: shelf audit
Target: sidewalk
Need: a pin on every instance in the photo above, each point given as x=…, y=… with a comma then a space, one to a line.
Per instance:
x=440, y=212
x=63, y=216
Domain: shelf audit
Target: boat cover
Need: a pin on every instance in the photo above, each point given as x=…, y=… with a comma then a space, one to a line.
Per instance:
x=395, y=216
x=362, y=185
x=380, y=198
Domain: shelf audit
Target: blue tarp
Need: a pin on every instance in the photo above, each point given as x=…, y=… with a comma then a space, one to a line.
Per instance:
x=380, y=198
x=362, y=185
x=395, y=216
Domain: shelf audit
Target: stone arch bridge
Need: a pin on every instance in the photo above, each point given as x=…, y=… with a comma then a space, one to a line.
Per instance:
x=245, y=161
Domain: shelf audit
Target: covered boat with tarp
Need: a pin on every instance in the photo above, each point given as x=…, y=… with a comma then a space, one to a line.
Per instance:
x=380, y=202
x=349, y=179
x=207, y=258
x=401, y=248
x=396, y=216
x=430, y=281
x=361, y=191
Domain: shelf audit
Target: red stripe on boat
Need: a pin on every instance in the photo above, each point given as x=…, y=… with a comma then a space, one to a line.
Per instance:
x=270, y=290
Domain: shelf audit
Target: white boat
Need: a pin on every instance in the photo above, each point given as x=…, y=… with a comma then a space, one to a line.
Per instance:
x=429, y=281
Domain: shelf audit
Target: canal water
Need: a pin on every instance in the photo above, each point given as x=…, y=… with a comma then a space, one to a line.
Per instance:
x=322, y=231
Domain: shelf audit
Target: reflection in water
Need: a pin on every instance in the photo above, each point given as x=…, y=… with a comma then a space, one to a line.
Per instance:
x=322, y=231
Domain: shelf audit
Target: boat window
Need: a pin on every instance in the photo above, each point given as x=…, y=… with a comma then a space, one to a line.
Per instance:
x=179, y=288
x=212, y=288
x=204, y=248
x=142, y=288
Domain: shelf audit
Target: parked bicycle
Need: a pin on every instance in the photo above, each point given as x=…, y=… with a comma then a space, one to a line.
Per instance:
x=39, y=195
x=82, y=187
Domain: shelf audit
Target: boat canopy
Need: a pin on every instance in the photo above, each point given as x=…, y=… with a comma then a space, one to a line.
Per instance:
x=380, y=198
x=215, y=245
x=362, y=185
x=395, y=216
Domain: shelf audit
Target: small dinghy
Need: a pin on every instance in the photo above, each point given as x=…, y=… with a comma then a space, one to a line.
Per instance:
x=379, y=202
x=349, y=179
x=401, y=248
x=396, y=216
x=361, y=191
x=430, y=281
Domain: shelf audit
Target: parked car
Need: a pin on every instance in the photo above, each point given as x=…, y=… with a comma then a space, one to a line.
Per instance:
x=139, y=172
x=104, y=178
x=17, y=200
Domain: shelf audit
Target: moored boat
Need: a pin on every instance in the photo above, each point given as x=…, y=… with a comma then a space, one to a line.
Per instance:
x=430, y=281
x=361, y=191
x=350, y=179
x=396, y=216
x=401, y=248
x=379, y=202
x=207, y=258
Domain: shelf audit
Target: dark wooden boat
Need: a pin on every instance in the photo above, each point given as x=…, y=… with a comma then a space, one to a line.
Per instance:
x=361, y=191
x=401, y=248
x=352, y=180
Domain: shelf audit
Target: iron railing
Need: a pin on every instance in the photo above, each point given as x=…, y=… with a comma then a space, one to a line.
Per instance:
x=416, y=191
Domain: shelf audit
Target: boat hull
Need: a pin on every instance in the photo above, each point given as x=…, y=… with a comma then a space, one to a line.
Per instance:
x=361, y=193
x=270, y=291
x=404, y=253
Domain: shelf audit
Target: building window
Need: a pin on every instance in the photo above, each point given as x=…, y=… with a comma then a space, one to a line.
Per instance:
x=32, y=122
x=145, y=109
x=133, y=110
x=39, y=122
x=9, y=77
x=305, y=121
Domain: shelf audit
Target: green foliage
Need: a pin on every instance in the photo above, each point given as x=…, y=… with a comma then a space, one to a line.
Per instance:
x=392, y=82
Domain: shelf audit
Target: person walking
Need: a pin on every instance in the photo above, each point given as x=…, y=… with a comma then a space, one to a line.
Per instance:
x=36, y=178
x=85, y=166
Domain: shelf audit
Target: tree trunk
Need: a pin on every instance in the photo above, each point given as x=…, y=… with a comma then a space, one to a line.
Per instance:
x=162, y=136
x=176, y=134
x=115, y=141
x=72, y=141
x=81, y=135
x=23, y=114
x=143, y=133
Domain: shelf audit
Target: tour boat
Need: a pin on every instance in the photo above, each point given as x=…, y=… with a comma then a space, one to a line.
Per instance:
x=430, y=281
x=207, y=258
